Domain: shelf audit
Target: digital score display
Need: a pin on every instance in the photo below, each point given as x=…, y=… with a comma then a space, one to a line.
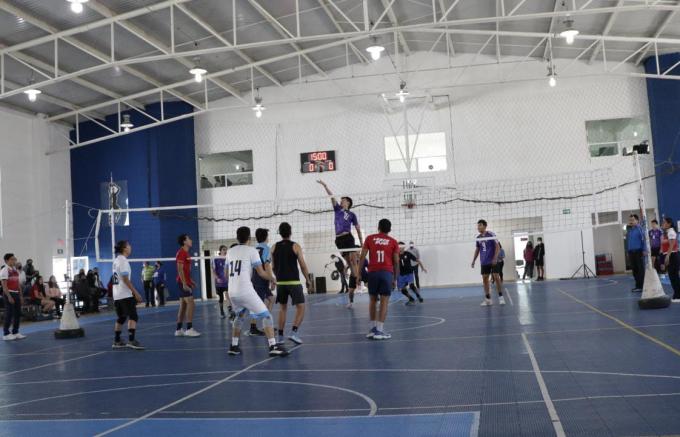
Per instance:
x=318, y=162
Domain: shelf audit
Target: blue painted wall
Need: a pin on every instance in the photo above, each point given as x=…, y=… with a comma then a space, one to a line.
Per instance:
x=664, y=111
x=159, y=167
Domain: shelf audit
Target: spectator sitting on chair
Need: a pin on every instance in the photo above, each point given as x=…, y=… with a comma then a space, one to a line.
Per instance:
x=39, y=296
x=54, y=293
x=83, y=292
x=159, y=283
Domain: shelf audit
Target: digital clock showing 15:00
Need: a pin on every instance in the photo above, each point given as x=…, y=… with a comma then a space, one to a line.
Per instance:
x=318, y=162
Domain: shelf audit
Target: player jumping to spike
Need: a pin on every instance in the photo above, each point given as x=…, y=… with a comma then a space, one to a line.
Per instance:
x=344, y=219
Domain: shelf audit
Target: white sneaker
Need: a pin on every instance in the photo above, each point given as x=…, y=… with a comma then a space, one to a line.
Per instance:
x=295, y=339
x=179, y=333
x=19, y=336
x=486, y=303
x=348, y=306
x=501, y=300
x=675, y=300
x=192, y=333
x=9, y=337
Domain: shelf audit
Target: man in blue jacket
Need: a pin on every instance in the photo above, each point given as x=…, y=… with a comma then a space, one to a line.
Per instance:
x=635, y=244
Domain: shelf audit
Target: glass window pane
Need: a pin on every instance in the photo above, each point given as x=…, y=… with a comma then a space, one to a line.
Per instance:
x=436, y=163
x=429, y=146
x=216, y=170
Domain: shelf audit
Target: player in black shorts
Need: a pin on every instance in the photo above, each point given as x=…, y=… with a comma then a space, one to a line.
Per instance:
x=353, y=282
x=286, y=255
x=407, y=277
x=344, y=220
x=262, y=286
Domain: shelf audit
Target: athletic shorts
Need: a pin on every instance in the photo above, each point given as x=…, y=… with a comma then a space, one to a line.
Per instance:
x=294, y=291
x=221, y=288
x=126, y=308
x=538, y=263
x=488, y=269
x=183, y=293
x=352, y=282
x=404, y=280
x=380, y=283
x=656, y=251
x=247, y=300
x=264, y=292
x=345, y=241
x=498, y=268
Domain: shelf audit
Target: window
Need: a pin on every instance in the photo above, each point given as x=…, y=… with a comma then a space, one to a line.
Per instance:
x=226, y=169
x=427, y=151
x=610, y=137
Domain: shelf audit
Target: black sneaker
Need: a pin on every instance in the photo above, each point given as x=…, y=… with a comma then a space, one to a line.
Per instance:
x=277, y=351
x=234, y=350
x=232, y=316
x=134, y=344
x=420, y=299
x=222, y=316
x=118, y=345
x=256, y=332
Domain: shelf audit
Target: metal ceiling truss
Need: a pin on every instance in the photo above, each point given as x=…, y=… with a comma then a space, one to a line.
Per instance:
x=348, y=32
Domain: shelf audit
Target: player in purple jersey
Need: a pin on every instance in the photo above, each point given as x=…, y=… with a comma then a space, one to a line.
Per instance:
x=221, y=280
x=344, y=220
x=488, y=250
x=655, y=242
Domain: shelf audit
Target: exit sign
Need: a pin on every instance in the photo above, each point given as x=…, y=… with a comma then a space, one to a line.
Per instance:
x=566, y=211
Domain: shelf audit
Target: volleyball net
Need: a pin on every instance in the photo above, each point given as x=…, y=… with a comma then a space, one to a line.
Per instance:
x=424, y=214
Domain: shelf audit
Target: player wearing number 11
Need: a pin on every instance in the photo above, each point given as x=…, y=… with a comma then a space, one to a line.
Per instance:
x=383, y=269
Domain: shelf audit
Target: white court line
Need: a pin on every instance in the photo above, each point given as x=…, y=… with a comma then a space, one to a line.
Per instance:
x=52, y=364
x=507, y=293
x=187, y=397
x=559, y=431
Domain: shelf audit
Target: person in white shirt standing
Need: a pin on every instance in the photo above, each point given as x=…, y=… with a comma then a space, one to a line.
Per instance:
x=242, y=259
x=11, y=289
x=125, y=298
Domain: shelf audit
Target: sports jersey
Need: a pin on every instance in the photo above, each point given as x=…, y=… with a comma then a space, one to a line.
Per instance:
x=121, y=268
x=242, y=260
x=666, y=241
x=265, y=258
x=406, y=261
x=185, y=258
x=381, y=248
x=219, y=265
x=11, y=275
x=487, y=248
x=286, y=263
x=344, y=220
x=655, y=238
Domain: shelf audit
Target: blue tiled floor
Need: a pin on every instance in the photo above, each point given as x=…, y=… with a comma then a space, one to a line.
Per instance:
x=446, y=356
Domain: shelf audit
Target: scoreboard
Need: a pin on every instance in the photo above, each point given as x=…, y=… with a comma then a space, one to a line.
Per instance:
x=318, y=162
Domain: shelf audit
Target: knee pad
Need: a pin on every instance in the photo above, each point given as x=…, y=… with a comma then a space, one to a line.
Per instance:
x=121, y=320
x=413, y=287
x=134, y=318
x=267, y=320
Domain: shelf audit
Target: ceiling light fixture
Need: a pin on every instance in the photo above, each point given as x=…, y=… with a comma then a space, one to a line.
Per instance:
x=198, y=73
x=552, y=81
x=32, y=94
x=402, y=94
x=77, y=5
x=375, y=50
x=569, y=32
x=126, y=124
x=258, y=108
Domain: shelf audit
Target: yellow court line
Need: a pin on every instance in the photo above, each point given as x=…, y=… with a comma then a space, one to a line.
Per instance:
x=622, y=323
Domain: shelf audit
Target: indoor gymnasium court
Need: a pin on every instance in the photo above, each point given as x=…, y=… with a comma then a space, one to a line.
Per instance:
x=339, y=218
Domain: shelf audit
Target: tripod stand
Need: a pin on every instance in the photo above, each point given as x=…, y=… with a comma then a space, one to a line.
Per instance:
x=587, y=272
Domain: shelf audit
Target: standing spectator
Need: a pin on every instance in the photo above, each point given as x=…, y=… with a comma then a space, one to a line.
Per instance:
x=342, y=272
x=82, y=291
x=95, y=292
x=11, y=291
x=31, y=272
x=528, y=260
x=22, y=279
x=415, y=264
x=159, y=279
x=539, y=259
x=655, y=243
x=669, y=247
x=501, y=262
x=635, y=244
x=54, y=293
x=39, y=296
x=147, y=278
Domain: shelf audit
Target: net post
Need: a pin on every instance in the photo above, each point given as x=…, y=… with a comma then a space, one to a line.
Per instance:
x=68, y=326
x=97, y=253
x=67, y=249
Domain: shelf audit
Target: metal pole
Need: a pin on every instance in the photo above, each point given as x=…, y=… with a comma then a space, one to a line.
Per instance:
x=112, y=223
x=67, y=251
x=643, y=211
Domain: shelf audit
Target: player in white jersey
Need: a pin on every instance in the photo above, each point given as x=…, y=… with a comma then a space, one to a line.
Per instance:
x=242, y=259
x=125, y=297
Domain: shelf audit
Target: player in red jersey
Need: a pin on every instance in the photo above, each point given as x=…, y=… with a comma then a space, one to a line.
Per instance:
x=383, y=269
x=186, y=289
